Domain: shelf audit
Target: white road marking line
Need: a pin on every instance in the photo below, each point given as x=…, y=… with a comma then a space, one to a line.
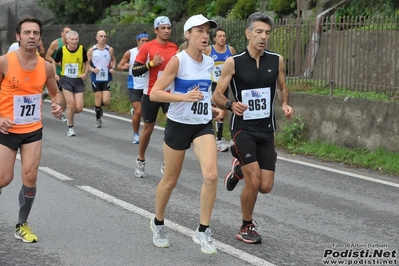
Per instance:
x=55, y=174
x=340, y=172
x=176, y=227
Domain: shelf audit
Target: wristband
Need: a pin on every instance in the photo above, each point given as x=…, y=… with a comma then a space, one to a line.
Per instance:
x=151, y=64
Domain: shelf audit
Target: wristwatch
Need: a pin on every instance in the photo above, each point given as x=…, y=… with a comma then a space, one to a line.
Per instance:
x=228, y=105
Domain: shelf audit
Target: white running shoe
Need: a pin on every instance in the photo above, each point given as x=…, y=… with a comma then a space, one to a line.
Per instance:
x=132, y=111
x=221, y=146
x=162, y=168
x=98, y=123
x=140, y=169
x=70, y=132
x=62, y=119
x=205, y=240
x=136, y=138
x=159, y=237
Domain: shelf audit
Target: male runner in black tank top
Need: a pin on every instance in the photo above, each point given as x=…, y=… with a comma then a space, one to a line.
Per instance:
x=255, y=75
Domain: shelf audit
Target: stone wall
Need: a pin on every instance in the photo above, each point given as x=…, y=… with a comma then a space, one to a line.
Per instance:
x=348, y=122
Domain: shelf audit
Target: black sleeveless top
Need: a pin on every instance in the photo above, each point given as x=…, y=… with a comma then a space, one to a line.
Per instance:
x=247, y=81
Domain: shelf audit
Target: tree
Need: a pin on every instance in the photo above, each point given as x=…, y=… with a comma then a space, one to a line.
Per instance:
x=194, y=7
x=223, y=7
x=243, y=8
x=77, y=11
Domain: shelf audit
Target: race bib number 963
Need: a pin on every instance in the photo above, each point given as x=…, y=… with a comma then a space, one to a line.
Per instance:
x=258, y=101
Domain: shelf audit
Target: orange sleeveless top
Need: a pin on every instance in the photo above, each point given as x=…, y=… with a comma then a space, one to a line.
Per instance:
x=20, y=95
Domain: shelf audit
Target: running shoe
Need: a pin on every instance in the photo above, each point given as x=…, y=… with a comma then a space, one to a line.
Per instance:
x=234, y=175
x=159, y=237
x=140, y=169
x=221, y=146
x=98, y=123
x=24, y=232
x=70, y=132
x=136, y=138
x=205, y=240
x=44, y=94
x=62, y=119
x=132, y=111
x=249, y=235
x=163, y=168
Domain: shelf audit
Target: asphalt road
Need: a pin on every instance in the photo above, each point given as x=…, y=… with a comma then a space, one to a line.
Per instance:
x=91, y=210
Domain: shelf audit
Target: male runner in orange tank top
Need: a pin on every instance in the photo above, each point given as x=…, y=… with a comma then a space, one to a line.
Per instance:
x=23, y=74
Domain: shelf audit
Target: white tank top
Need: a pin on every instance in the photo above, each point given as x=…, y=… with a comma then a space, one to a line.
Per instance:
x=101, y=60
x=190, y=75
x=139, y=82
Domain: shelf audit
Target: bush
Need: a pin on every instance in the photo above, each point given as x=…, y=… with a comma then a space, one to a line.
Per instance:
x=243, y=8
x=223, y=7
x=283, y=6
x=197, y=7
x=291, y=132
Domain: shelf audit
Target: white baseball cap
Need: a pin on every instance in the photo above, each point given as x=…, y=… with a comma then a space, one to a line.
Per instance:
x=162, y=20
x=198, y=20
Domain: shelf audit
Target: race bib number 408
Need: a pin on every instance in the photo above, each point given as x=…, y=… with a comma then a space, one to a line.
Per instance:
x=258, y=101
x=199, y=112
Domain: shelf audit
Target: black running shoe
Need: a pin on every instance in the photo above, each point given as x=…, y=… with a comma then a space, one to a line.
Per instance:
x=233, y=176
x=248, y=234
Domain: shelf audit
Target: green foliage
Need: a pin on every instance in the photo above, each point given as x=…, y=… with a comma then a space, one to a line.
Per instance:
x=210, y=10
x=316, y=87
x=119, y=103
x=283, y=41
x=235, y=29
x=283, y=6
x=243, y=8
x=143, y=11
x=368, y=8
x=76, y=11
x=197, y=7
x=291, y=132
x=223, y=7
x=378, y=159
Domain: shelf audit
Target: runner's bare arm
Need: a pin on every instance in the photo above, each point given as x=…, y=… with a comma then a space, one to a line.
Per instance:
x=124, y=63
x=51, y=50
x=227, y=73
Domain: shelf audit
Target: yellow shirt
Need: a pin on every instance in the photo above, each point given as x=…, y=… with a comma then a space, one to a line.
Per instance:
x=72, y=62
